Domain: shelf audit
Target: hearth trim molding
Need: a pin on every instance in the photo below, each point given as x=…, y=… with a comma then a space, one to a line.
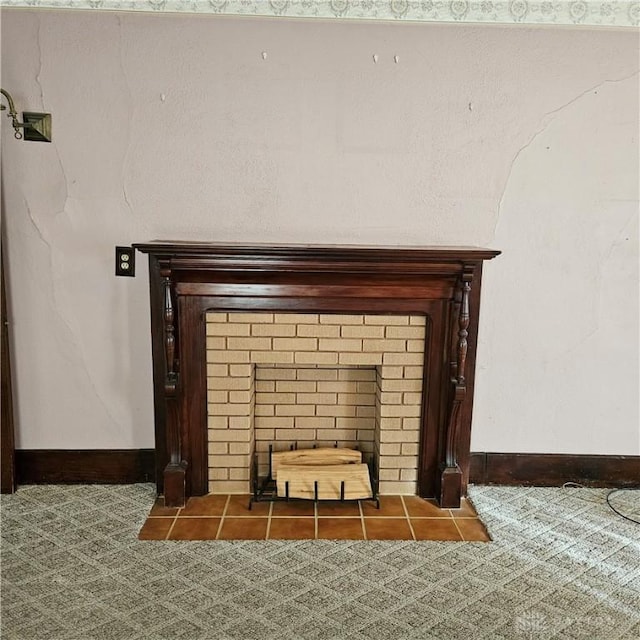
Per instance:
x=128, y=466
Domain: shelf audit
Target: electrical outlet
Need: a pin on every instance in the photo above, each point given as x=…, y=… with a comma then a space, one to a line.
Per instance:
x=125, y=261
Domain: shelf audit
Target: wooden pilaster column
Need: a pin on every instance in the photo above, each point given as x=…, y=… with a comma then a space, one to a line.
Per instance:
x=451, y=473
x=175, y=471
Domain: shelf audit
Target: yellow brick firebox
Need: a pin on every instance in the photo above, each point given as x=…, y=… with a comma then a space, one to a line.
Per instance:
x=350, y=380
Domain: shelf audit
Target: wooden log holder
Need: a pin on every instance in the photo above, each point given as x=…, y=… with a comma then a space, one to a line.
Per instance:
x=189, y=279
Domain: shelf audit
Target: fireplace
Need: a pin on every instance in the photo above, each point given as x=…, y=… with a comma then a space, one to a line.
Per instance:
x=368, y=346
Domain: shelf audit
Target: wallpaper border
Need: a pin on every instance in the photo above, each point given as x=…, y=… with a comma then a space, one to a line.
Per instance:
x=593, y=13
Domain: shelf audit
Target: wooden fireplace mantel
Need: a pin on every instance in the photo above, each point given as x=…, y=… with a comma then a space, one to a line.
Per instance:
x=187, y=279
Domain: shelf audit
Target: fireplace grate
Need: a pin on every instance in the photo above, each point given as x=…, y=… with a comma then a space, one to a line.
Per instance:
x=265, y=489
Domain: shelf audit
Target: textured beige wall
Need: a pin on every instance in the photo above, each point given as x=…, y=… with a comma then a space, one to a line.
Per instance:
x=175, y=127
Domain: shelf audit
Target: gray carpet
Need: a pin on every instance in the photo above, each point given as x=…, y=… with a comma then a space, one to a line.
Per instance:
x=562, y=565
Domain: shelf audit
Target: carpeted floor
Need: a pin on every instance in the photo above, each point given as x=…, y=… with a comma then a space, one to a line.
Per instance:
x=561, y=565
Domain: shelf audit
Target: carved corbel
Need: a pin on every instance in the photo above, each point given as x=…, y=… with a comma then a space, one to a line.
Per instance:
x=451, y=479
x=175, y=471
x=171, y=375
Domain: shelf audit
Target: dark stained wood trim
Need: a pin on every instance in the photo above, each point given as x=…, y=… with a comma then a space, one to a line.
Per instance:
x=477, y=469
x=554, y=469
x=87, y=466
x=7, y=436
x=365, y=257
x=125, y=466
x=157, y=354
x=467, y=407
x=194, y=381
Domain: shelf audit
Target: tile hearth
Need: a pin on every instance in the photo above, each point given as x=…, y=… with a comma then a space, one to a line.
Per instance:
x=227, y=517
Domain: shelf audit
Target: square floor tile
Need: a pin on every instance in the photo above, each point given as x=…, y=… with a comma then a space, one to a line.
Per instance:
x=293, y=508
x=211, y=505
x=243, y=529
x=389, y=506
x=472, y=530
x=435, y=529
x=155, y=529
x=420, y=507
x=292, y=529
x=195, y=529
x=239, y=506
x=333, y=508
x=387, y=529
x=466, y=510
x=340, y=529
x=159, y=509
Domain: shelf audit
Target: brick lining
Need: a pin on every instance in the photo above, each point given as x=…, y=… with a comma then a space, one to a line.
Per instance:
x=314, y=379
